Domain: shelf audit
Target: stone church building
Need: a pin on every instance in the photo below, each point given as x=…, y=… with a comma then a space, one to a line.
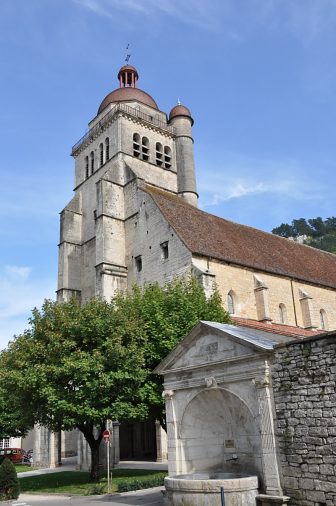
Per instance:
x=134, y=219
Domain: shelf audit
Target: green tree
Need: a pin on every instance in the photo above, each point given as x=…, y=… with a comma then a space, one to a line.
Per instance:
x=16, y=421
x=330, y=225
x=321, y=234
x=79, y=366
x=284, y=230
x=166, y=316
x=318, y=227
x=300, y=227
x=75, y=367
x=9, y=483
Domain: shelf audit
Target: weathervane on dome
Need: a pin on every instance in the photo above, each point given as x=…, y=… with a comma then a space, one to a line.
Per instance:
x=128, y=55
x=179, y=101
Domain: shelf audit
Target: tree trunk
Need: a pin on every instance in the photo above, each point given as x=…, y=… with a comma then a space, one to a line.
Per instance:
x=88, y=431
x=94, y=471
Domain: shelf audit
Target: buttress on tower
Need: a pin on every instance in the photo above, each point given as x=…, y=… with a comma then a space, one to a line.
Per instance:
x=130, y=143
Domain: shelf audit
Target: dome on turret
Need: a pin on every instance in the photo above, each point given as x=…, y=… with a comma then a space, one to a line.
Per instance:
x=127, y=92
x=180, y=110
x=128, y=68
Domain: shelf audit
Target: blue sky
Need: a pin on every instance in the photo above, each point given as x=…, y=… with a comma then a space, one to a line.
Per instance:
x=258, y=75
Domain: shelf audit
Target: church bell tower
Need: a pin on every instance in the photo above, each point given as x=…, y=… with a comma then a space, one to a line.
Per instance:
x=130, y=142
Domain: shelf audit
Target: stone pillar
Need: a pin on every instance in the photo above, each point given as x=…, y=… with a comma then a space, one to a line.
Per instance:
x=174, y=458
x=83, y=454
x=54, y=446
x=69, y=443
x=306, y=309
x=41, y=446
x=161, y=442
x=116, y=443
x=261, y=298
x=268, y=444
x=46, y=448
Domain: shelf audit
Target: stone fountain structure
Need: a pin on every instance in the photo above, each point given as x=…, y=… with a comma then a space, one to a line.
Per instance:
x=220, y=418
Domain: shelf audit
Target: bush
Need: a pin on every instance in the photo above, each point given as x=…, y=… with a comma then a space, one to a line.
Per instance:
x=136, y=484
x=9, y=483
x=97, y=489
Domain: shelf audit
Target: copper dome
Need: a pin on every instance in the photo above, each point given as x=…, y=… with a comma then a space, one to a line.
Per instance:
x=180, y=110
x=127, y=94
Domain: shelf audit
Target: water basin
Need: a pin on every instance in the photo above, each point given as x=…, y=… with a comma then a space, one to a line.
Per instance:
x=203, y=489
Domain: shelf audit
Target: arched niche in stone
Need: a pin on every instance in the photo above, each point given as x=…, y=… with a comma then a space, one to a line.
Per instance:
x=218, y=432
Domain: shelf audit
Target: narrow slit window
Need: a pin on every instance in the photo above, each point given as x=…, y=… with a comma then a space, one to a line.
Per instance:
x=230, y=303
x=323, y=320
x=282, y=313
x=92, y=162
x=101, y=154
x=167, y=157
x=136, y=145
x=164, y=250
x=107, y=149
x=138, y=263
x=159, y=154
x=86, y=167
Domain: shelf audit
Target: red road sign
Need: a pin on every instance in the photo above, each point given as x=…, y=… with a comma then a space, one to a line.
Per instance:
x=106, y=435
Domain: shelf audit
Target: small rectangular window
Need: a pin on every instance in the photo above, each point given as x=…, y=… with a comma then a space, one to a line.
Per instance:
x=164, y=250
x=138, y=263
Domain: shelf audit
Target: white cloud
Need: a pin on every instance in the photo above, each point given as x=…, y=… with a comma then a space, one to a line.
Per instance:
x=242, y=177
x=197, y=12
x=18, y=296
x=18, y=272
x=306, y=19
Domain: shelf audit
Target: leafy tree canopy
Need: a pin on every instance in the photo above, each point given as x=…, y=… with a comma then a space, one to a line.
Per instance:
x=79, y=366
x=317, y=232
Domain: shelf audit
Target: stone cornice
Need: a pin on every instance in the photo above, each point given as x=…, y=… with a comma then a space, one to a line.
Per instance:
x=122, y=110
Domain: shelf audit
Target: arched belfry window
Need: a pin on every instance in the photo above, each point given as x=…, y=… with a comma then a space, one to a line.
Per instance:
x=145, y=149
x=230, y=301
x=92, y=162
x=167, y=157
x=323, y=320
x=86, y=167
x=282, y=313
x=136, y=145
x=159, y=154
x=101, y=154
x=107, y=149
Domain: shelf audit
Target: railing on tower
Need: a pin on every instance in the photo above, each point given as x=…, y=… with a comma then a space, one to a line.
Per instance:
x=130, y=111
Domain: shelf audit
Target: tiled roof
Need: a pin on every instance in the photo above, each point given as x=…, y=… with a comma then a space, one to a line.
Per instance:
x=208, y=235
x=277, y=328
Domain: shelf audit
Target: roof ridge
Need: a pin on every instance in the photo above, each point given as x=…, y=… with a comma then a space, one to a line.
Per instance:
x=211, y=236
x=165, y=193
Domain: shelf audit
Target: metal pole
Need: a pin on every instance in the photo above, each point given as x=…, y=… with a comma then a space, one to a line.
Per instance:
x=222, y=496
x=108, y=466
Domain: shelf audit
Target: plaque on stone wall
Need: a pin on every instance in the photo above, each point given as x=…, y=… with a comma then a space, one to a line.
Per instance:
x=229, y=443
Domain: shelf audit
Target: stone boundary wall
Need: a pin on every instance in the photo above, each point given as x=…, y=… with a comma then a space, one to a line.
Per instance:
x=303, y=376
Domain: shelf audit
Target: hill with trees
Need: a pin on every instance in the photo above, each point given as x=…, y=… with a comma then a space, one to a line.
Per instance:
x=315, y=232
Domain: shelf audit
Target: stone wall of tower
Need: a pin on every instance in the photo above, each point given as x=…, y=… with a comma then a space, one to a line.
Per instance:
x=146, y=232
x=111, y=131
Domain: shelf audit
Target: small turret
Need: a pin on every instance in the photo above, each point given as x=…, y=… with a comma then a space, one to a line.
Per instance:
x=180, y=118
